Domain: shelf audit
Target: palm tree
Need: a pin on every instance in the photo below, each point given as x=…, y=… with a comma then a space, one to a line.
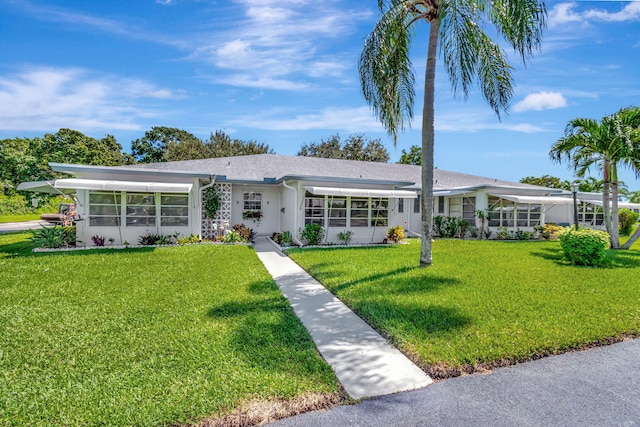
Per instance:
x=612, y=142
x=458, y=27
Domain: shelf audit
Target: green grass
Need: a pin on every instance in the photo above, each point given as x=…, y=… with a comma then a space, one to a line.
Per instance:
x=19, y=218
x=482, y=301
x=157, y=336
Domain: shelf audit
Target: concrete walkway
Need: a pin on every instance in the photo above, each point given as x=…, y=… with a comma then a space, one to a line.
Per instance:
x=22, y=226
x=364, y=363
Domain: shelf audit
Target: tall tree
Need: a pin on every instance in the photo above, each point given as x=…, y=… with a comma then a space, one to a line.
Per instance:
x=606, y=144
x=413, y=157
x=458, y=27
x=222, y=145
x=355, y=147
x=153, y=146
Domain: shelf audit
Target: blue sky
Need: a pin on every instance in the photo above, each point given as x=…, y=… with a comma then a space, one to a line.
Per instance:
x=284, y=72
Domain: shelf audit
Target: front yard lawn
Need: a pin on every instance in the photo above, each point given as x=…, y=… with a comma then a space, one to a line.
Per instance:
x=482, y=302
x=154, y=336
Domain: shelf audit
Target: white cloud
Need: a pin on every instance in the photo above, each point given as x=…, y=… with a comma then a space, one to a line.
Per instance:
x=52, y=98
x=281, y=41
x=359, y=119
x=541, y=101
x=565, y=13
x=470, y=120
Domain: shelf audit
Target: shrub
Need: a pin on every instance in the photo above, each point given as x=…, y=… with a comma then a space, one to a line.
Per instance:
x=523, y=235
x=54, y=237
x=192, y=238
x=232, y=237
x=154, y=239
x=626, y=220
x=246, y=234
x=548, y=231
x=502, y=233
x=345, y=236
x=584, y=246
x=438, y=225
x=312, y=234
x=98, y=240
x=395, y=235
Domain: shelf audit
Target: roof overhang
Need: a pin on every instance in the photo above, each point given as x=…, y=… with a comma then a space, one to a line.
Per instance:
x=542, y=200
x=361, y=192
x=625, y=205
x=70, y=185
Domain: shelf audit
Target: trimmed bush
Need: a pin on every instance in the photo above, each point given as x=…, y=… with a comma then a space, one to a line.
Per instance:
x=584, y=246
x=627, y=219
x=312, y=234
x=395, y=235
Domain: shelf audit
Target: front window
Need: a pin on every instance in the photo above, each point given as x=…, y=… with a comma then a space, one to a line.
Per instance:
x=174, y=210
x=346, y=211
x=104, y=209
x=141, y=210
x=252, y=201
x=590, y=214
x=505, y=213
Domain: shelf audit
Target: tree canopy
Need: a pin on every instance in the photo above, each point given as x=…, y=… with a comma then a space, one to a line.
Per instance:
x=163, y=144
x=24, y=159
x=355, y=147
x=413, y=157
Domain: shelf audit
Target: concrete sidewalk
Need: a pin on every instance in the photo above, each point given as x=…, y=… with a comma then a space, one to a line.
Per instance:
x=7, y=227
x=364, y=363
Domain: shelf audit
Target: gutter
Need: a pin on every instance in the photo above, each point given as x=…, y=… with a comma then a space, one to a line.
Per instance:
x=295, y=214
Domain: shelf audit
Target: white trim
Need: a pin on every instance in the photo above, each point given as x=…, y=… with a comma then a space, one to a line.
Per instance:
x=543, y=200
x=626, y=205
x=361, y=192
x=71, y=184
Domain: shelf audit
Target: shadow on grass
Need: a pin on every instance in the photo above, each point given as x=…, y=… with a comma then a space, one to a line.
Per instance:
x=26, y=252
x=613, y=258
x=267, y=333
x=550, y=254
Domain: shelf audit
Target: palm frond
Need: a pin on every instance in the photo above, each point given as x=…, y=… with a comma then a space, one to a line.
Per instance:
x=386, y=72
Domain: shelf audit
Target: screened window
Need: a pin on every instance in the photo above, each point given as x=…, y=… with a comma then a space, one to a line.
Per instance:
x=104, y=209
x=469, y=210
x=174, y=210
x=400, y=205
x=416, y=205
x=380, y=213
x=252, y=201
x=505, y=213
x=337, y=211
x=141, y=210
x=359, y=212
x=590, y=214
x=314, y=209
x=440, y=204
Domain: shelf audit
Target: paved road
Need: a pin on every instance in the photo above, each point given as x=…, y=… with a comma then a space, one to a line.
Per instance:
x=599, y=387
x=21, y=226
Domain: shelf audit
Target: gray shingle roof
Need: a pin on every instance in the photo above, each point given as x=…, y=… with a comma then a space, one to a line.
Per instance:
x=260, y=166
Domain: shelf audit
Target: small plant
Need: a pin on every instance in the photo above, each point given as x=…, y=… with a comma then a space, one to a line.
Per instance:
x=232, y=237
x=626, y=220
x=98, y=240
x=548, y=231
x=395, y=235
x=111, y=240
x=438, y=225
x=523, y=235
x=154, y=239
x=126, y=243
x=345, y=236
x=193, y=238
x=211, y=202
x=483, y=216
x=487, y=233
x=312, y=234
x=463, y=227
x=474, y=232
x=502, y=233
x=584, y=246
x=254, y=215
x=246, y=234
x=54, y=237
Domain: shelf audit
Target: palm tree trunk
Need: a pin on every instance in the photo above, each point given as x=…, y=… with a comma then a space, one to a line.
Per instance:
x=605, y=201
x=428, y=144
x=615, y=233
x=632, y=239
